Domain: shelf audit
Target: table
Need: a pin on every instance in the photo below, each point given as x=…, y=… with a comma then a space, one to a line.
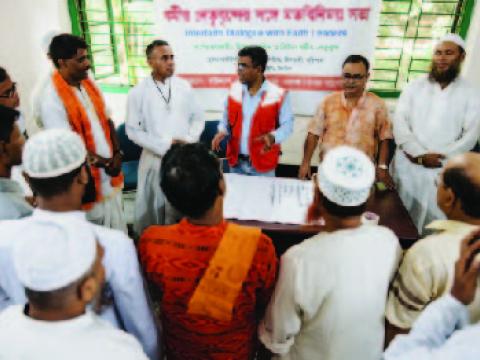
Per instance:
x=386, y=204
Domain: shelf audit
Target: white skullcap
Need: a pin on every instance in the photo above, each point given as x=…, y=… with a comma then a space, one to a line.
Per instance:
x=52, y=153
x=345, y=176
x=456, y=39
x=53, y=253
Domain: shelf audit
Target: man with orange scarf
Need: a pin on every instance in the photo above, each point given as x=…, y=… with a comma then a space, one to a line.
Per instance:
x=215, y=277
x=71, y=100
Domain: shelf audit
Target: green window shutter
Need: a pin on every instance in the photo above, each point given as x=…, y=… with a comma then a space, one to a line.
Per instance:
x=406, y=36
x=118, y=31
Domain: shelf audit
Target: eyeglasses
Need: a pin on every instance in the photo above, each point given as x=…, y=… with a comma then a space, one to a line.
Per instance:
x=243, y=66
x=9, y=92
x=354, y=77
x=163, y=58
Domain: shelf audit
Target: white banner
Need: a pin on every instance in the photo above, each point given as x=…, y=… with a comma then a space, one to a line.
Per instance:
x=306, y=42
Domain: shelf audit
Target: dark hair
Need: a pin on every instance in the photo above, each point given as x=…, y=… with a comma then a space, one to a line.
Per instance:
x=464, y=189
x=3, y=74
x=356, y=59
x=343, y=211
x=258, y=55
x=153, y=45
x=55, y=299
x=7, y=119
x=49, y=187
x=50, y=300
x=65, y=46
x=189, y=177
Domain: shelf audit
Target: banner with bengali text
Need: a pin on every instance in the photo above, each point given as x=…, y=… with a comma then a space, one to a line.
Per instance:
x=307, y=42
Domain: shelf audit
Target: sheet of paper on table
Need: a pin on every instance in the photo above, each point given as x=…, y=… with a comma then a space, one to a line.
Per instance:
x=268, y=199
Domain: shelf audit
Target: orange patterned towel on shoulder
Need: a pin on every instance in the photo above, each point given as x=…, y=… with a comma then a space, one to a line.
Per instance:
x=219, y=287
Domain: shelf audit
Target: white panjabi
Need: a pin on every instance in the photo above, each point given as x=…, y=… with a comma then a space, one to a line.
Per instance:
x=52, y=153
x=346, y=176
x=53, y=254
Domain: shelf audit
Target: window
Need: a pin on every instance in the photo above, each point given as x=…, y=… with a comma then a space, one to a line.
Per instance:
x=405, y=37
x=118, y=31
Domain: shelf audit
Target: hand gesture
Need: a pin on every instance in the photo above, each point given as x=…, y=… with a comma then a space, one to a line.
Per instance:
x=467, y=268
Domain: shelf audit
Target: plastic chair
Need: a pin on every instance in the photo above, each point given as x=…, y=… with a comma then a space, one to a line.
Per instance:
x=131, y=157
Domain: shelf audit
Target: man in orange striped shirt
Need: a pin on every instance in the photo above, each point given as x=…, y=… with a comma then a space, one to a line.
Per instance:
x=215, y=277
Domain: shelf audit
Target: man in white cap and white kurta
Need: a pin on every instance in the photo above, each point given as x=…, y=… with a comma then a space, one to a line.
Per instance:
x=71, y=100
x=162, y=110
x=59, y=262
x=54, y=162
x=330, y=297
x=437, y=117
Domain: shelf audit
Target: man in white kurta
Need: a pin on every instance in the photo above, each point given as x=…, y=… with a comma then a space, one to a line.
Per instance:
x=124, y=300
x=330, y=297
x=437, y=116
x=52, y=113
x=59, y=263
x=161, y=111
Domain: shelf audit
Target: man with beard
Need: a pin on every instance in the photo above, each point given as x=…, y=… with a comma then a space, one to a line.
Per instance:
x=257, y=117
x=161, y=111
x=71, y=100
x=352, y=117
x=437, y=117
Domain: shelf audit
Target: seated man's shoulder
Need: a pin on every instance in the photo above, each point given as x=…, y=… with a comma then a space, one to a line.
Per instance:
x=155, y=232
x=108, y=235
x=110, y=341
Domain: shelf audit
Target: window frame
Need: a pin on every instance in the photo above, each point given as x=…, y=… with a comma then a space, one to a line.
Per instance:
x=461, y=24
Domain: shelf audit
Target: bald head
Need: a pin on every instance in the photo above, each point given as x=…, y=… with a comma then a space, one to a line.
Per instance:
x=462, y=176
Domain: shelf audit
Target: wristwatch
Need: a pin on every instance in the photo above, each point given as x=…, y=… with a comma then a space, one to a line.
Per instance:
x=420, y=160
x=383, y=166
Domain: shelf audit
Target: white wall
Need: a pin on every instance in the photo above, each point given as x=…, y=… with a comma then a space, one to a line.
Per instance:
x=471, y=68
x=23, y=24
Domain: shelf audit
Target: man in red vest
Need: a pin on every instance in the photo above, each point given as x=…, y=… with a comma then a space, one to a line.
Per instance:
x=257, y=117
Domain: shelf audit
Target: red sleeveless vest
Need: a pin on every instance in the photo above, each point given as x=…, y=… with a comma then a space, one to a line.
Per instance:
x=264, y=120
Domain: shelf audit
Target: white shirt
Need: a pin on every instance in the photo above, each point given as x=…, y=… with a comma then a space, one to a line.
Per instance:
x=153, y=124
x=84, y=337
x=123, y=278
x=52, y=115
x=436, y=335
x=330, y=297
x=431, y=120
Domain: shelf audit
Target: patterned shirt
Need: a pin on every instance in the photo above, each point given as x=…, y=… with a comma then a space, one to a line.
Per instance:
x=176, y=267
x=363, y=126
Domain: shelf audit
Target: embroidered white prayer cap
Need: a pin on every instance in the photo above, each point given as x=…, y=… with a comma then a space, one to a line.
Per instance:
x=345, y=176
x=53, y=253
x=456, y=39
x=52, y=153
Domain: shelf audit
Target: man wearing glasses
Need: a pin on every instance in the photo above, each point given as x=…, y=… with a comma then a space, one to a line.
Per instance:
x=9, y=96
x=257, y=117
x=352, y=117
